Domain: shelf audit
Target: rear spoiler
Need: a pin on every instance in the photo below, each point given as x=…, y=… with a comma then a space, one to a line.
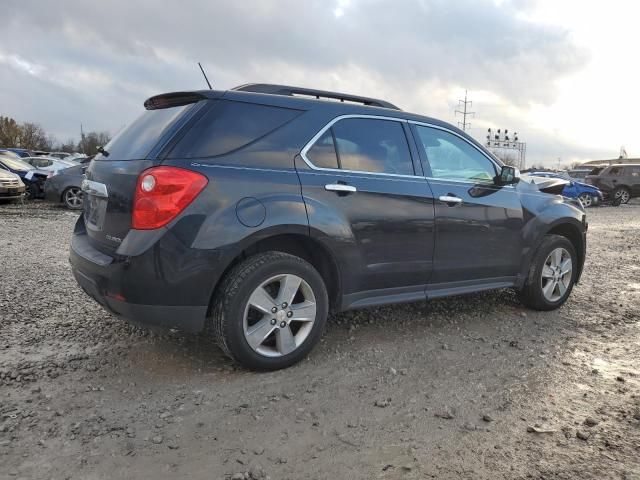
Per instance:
x=175, y=99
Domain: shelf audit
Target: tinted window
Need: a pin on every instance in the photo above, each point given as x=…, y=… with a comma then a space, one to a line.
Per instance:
x=451, y=157
x=615, y=171
x=371, y=145
x=227, y=126
x=139, y=138
x=633, y=171
x=323, y=152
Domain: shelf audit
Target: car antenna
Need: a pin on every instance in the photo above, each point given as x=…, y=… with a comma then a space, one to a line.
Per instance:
x=205, y=76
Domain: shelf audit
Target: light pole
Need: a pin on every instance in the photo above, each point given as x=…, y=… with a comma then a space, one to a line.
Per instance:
x=500, y=140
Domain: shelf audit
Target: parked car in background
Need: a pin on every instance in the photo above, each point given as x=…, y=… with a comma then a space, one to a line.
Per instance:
x=32, y=178
x=21, y=152
x=49, y=164
x=588, y=195
x=580, y=173
x=252, y=213
x=58, y=154
x=619, y=182
x=66, y=187
x=11, y=186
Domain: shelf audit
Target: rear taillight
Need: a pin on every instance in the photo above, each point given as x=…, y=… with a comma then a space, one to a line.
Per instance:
x=162, y=193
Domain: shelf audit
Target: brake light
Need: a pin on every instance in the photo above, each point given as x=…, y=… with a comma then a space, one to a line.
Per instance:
x=162, y=193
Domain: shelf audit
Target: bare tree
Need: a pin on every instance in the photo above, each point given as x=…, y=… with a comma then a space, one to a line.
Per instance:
x=90, y=142
x=9, y=132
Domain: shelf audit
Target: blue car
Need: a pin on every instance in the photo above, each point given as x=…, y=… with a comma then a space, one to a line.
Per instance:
x=588, y=195
x=33, y=178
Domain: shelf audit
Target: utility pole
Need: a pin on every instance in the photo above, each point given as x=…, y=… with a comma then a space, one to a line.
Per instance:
x=82, y=138
x=463, y=104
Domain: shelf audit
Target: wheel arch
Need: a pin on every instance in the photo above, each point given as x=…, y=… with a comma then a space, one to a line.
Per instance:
x=574, y=234
x=294, y=243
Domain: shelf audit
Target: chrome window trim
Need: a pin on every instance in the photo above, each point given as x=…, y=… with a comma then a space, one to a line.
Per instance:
x=314, y=139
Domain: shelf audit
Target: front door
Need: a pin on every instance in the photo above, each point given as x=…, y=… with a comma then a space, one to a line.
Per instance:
x=366, y=202
x=478, y=237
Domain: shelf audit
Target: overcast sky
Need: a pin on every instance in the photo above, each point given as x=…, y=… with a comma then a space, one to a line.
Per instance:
x=564, y=74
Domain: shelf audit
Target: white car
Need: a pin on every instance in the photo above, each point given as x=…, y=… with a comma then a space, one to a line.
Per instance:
x=49, y=164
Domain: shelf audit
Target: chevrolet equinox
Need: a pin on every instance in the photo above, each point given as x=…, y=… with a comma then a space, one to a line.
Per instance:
x=250, y=214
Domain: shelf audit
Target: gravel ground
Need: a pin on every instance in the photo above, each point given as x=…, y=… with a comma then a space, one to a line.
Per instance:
x=471, y=387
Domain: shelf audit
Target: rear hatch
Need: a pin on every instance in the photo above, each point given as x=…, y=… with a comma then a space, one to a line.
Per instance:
x=111, y=178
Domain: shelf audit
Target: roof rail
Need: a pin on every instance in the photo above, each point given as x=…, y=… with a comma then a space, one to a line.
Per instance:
x=311, y=92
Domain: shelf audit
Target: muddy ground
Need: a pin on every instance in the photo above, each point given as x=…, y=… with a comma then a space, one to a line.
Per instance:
x=474, y=387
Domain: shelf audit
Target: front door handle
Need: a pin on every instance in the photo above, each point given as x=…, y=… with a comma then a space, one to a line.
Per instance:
x=450, y=200
x=340, y=188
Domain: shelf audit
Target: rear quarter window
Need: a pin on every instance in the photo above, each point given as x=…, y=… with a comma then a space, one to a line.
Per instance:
x=228, y=126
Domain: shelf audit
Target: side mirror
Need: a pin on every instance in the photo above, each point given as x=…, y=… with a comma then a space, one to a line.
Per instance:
x=508, y=175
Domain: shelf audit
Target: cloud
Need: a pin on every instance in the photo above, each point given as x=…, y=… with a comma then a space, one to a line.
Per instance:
x=105, y=58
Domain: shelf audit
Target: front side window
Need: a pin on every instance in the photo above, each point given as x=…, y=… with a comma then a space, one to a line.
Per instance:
x=615, y=171
x=450, y=157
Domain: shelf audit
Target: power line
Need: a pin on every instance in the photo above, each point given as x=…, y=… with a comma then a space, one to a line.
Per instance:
x=464, y=112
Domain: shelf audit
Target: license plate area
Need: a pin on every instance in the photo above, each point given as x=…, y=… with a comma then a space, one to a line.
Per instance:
x=95, y=204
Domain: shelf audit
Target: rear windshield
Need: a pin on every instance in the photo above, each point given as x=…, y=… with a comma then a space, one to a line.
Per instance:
x=228, y=126
x=138, y=139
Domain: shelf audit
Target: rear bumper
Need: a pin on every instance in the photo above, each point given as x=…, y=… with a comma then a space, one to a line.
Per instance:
x=111, y=282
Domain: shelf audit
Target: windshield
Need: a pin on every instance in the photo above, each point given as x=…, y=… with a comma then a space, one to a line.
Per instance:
x=15, y=164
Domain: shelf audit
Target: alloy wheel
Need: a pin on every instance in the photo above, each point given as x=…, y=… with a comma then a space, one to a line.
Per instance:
x=556, y=274
x=279, y=315
x=623, y=195
x=73, y=197
x=586, y=200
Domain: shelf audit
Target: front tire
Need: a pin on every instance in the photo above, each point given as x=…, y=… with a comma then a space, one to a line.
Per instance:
x=586, y=200
x=270, y=311
x=552, y=274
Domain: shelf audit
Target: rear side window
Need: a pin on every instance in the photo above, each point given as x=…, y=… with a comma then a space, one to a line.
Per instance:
x=363, y=145
x=634, y=171
x=138, y=139
x=228, y=126
x=372, y=145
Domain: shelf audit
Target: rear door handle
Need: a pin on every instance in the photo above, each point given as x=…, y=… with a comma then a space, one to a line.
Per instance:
x=340, y=188
x=450, y=199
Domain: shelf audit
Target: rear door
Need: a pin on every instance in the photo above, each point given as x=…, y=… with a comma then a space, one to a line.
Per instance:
x=368, y=200
x=478, y=227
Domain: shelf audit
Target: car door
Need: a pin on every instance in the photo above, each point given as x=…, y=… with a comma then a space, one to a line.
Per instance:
x=478, y=224
x=367, y=200
x=634, y=180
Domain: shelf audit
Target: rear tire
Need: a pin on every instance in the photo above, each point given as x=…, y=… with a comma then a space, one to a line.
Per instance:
x=242, y=315
x=72, y=198
x=546, y=287
x=623, y=194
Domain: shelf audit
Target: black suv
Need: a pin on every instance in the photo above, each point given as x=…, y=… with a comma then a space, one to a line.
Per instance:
x=620, y=182
x=252, y=213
